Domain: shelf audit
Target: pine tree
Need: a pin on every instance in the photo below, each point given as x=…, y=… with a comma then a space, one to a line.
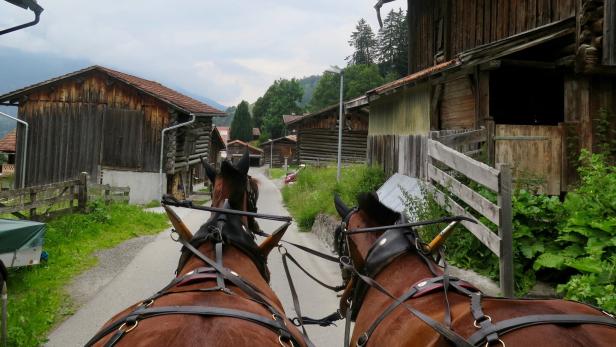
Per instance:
x=241, y=127
x=393, y=44
x=364, y=43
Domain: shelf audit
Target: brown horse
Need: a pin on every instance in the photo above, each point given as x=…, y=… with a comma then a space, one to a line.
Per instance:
x=396, y=260
x=220, y=296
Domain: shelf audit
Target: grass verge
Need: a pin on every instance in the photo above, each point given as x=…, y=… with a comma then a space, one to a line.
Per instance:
x=313, y=193
x=37, y=300
x=279, y=172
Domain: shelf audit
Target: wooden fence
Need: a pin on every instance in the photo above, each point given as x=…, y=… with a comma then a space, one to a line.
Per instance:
x=57, y=198
x=445, y=165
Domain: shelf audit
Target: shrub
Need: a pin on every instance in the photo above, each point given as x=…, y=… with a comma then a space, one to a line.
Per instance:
x=313, y=193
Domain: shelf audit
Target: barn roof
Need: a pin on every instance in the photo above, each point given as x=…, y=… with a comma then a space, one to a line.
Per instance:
x=218, y=139
x=290, y=139
x=326, y=110
x=7, y=143
x=242, y=143
x=256, y=132
x=289, y=118
x=224, y=133
x=167, y=95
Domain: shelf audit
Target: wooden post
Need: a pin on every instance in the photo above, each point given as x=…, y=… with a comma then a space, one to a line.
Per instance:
x=505, y=231
x=82, y=195
x=72, y=195
x=107, y=197
x=32, y=201
x=491, y=144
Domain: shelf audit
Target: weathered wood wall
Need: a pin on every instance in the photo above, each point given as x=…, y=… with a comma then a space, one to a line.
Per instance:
x=193, y=142
x=82, y=123
x=534, y=153
x=403, y=113
x=448, y=27
x=320, y=146
x=609, y=33
x=457, y=109
x=404, y=154
x=281, y=149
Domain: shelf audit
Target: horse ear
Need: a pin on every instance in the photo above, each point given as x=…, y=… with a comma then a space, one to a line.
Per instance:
x=341, y=208
x=273, y=240
x=209, y=170
x=244, y=164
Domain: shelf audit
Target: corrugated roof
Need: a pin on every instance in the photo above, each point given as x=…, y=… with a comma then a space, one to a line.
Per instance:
x=169, y=96
x=256, y=132
x=391, y=192
x=8, y=142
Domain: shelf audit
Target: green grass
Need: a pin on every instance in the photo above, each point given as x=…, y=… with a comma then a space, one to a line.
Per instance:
x=313, y=193
x=7, y=181
x=152, y=204
x=279, y=172
x=37, y=299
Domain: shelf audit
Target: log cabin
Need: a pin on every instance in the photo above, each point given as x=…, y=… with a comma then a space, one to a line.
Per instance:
x=317, y=136
x=540, y=75
x=109, y=124
x=279, y=151
x=236, y=149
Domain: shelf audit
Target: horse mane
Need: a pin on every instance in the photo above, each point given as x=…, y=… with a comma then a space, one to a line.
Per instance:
x=374, y=208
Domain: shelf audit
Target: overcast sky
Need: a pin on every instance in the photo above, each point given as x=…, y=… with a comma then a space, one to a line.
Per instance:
x=227, y=50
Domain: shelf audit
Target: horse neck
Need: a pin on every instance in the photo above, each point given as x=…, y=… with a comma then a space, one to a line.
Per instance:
x=410, y=267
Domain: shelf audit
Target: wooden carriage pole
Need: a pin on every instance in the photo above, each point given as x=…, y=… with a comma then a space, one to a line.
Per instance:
x=505, y=230
x=82, y=195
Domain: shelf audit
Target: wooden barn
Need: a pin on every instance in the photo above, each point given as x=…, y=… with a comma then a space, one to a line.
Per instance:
x=317, y=136
x=236, y=149
x=7, y=148
x=281, y=150
x=540, y=76
x=110, y=124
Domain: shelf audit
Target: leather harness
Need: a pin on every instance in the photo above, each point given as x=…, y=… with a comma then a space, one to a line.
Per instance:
x=396, y=242
x=223, y=228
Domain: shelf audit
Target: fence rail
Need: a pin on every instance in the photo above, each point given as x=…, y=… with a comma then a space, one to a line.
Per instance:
x=445, y=165
x=58, y=197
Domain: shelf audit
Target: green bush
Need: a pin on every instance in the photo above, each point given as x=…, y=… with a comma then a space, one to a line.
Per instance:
x=313, y=193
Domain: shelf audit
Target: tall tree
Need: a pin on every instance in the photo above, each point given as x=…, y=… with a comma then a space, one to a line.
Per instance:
x=364, y=43
x=282, y=97
x=241, y=127
x=259, y=111
x=358, y=79
x=393, y=44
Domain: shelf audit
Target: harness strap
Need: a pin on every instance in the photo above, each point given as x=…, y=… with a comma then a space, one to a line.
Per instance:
x=347, y=327
x=521, y=322
x=443, y=330
x=220, y=281
x=414, y=291
x=140, y=314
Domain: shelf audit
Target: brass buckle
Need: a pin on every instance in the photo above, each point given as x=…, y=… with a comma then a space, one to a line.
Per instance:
x=129, y=329
x=484, y=318
x=499, y=340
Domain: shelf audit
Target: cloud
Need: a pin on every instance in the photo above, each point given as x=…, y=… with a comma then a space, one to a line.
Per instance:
x=227, y=50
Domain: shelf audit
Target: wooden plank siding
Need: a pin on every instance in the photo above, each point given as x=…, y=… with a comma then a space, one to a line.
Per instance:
x=458, y=105
x=609, y=33
x=193, y=142
x=403, y=113
x=472, y=23
x=83, y=123
x=534, y=153
x=278, y=151
x=320, y=146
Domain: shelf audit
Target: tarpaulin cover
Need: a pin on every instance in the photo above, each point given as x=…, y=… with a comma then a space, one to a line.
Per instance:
x=15, y=234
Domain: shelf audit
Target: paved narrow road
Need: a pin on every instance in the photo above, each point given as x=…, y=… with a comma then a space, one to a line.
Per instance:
x=153, y=266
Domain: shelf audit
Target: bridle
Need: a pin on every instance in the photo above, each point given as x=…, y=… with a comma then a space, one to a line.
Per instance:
x=223, y=228
x=401, y=242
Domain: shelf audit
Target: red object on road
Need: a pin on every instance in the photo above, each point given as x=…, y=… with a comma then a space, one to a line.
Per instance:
x=292, y=177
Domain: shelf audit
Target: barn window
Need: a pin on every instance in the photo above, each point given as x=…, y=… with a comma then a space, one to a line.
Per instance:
x=526, y=96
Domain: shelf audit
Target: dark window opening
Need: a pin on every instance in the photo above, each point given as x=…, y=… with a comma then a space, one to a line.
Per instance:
x=527, y=97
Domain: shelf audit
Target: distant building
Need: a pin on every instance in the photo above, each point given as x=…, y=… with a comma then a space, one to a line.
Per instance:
x=237, y=148
x=7, y=147
x=279, y=150
x=109, y=124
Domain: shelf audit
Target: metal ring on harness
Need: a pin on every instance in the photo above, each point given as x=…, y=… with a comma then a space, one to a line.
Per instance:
x=177, y=235
x=147, y=303
x=362, y=340
x=129, y=328
x=282, y=343
x=484, y=318
x=499, y=340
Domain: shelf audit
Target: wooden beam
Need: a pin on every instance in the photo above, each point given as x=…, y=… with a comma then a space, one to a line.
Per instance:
x=469, y=196
x=473, y=169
